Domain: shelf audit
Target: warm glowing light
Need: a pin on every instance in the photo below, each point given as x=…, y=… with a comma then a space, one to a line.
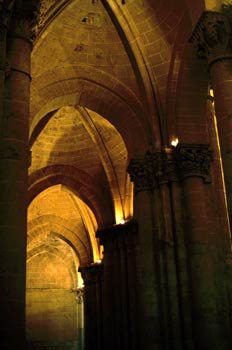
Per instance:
x=174, y=142
x=81, y=286
x=119, y=216
x=98, y=261
x=101, y=250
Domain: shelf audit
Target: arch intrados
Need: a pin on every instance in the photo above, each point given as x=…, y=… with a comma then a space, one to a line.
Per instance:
x=80, y=184
x=53, y=252
x=102, y=100
x=55, y=222
x=43, y=246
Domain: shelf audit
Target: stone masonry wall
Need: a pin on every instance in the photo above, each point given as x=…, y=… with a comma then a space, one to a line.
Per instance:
x=52, y=309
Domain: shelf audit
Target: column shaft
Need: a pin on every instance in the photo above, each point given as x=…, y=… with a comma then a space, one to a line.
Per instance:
x=158, y=283
x=212, y=36
x=13, y=193
x=131, y=246
x=119, y=287
x=110, y=291
x=204, y=309
x=181, y=265
x=150, y=304
x=14, y=124
x=218, y=214
x=193, y=163
x=92, y=276
x=169, y=271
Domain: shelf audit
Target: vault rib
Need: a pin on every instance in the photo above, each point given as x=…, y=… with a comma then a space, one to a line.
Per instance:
x=106, y=162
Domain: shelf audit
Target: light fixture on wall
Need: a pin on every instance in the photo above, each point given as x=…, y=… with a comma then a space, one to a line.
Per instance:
x=174, y=142
x=120, y=220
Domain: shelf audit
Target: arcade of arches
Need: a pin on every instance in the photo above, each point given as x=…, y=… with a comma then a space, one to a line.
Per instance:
x=115, y=174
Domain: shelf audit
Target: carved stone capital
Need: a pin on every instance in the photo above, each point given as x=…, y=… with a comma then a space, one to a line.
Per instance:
x=167, y=167
x=142, y=172
x=193, y=161
x=79, y=294
x=153, y=170
x=91, y=273
x=5, y=14
x=25, y=17
x=117, y=236
x=212, y=36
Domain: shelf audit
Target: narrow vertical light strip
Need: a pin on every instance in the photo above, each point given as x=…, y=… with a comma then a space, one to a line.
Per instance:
x=219, y=151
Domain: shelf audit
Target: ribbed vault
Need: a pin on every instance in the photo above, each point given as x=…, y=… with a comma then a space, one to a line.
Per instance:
x=107, y=84
x=57, y=209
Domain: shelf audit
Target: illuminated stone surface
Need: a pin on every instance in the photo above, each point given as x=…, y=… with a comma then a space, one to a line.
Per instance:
x=92, y=94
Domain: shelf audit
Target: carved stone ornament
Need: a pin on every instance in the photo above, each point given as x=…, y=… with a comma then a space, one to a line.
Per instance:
x=5, y=14
x=142, y=172
x=166, y=171
x=79, y=294
x=45, y=6
x=25, y=17
x=153, y=170
x=193, y=161
x=212, y=36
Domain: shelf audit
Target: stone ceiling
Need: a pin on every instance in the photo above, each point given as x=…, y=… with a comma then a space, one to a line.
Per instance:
x=102, y=73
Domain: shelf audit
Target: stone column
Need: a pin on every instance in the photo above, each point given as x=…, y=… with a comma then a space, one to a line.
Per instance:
x=213, y=39
x=170, y=253
x=151, y=281
x=14, y=151
x=181, y=259
x=5, y=14
x=119, y=288
x=210, y=327
x=165, y=319
x=92, y=276
x=175, y=272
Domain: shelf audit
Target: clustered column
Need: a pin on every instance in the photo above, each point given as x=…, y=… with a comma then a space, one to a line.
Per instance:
x=160, y=286
x=93, y=279
x=213, y=38
x=15, y=31
x=210, y=326
x=119, y=286
x=153, y=241
x=180, y=302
